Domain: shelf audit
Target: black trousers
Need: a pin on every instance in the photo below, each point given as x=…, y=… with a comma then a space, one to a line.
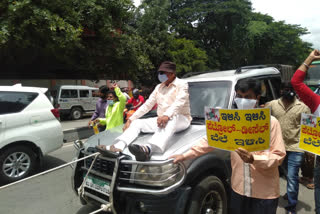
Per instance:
x=245, y=205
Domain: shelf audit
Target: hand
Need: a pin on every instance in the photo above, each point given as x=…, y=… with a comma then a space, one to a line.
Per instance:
x=177, y=158
x=315, y=55
x=89, y=123
x=162, y=121
x=126, y=125
x=96, y=121
x=114, y=85
x=246, y=156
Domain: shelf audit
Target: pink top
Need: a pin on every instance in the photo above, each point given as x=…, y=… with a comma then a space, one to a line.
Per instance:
x=171, y=100
x=259, y=179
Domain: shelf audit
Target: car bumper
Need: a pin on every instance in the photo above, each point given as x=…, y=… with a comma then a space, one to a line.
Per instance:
x=174, y=202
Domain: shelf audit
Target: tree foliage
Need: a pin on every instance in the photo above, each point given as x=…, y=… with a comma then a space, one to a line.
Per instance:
x=113, y=36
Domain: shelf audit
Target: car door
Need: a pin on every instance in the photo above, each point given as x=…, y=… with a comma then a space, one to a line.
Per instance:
x=85, y=100
x=94, y=95
x=69, y=98
x=2, y=128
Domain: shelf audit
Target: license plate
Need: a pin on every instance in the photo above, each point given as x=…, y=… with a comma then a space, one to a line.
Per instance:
x=98, y=185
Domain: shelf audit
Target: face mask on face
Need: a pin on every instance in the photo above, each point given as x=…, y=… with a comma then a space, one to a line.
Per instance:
x=110, y=102
x=162, y=77
x=243, y=103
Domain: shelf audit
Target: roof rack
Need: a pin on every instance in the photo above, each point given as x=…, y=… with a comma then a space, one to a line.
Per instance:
x=239, y=70
x=189, y=74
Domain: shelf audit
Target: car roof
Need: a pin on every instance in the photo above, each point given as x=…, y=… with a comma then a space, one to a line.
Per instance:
x=20, y=88
x=77, y=87
x=231, y=75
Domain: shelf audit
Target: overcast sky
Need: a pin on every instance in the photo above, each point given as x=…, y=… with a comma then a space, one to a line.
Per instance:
x=303, y=12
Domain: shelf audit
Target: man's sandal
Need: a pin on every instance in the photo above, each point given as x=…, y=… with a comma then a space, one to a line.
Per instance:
x=112, y=153
x=141, y=152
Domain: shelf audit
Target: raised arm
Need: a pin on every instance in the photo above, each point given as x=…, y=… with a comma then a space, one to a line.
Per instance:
x=311, y=99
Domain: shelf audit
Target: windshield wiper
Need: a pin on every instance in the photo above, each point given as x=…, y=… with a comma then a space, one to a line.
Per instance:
x=198, y=120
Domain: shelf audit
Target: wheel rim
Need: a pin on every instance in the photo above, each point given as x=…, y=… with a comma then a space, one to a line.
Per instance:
x=76, y=114
x=212, y=203
x=16, y=164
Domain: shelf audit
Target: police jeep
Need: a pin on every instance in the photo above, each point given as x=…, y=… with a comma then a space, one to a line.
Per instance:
x=198, y=186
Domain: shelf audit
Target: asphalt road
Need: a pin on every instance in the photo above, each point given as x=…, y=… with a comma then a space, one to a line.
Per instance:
x=52, y=193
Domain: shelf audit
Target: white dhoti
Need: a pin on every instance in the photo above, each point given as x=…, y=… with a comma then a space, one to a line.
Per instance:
x=160, y=139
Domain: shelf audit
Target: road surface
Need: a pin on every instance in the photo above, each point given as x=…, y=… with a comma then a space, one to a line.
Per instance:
x=52, y=193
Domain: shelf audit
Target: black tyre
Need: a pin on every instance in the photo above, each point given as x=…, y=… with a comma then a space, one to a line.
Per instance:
x=208, y=197
x=76, y=113
x=16, y=163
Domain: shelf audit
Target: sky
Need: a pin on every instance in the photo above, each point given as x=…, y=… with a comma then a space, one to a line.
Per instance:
x=302, y=12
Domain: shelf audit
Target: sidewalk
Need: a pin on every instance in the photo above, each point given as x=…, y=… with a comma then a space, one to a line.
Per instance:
x=76, y=129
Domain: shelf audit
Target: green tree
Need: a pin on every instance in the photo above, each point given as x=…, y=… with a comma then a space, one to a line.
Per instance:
x=275, y=42
x=187, y=56
x=89, y=35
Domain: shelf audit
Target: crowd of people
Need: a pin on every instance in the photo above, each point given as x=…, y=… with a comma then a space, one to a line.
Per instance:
x=255, y=175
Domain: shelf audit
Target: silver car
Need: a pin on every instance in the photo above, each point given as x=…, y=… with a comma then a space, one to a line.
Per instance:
x=159, y=186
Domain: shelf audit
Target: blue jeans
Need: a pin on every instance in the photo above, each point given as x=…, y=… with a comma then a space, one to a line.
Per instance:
x=292, y=164
x=317, y=185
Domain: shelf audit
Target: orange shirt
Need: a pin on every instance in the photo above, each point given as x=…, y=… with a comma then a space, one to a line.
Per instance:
x=259, y=179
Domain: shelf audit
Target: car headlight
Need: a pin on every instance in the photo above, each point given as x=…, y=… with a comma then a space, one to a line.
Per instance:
x=160, y=176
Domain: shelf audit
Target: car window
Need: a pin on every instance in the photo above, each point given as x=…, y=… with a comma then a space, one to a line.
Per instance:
x=214, y=94
x=84, y=93
x=95, y=93
x=276, y=85
x=67, y=93
x=313, y=74
x=13, y=102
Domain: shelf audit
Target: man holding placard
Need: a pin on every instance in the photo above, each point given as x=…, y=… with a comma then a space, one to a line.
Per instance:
x=312, y=100
x=255, y=176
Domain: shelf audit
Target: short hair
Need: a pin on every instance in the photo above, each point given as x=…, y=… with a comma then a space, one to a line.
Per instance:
x=286, y=84
x=114, y=94
x=104, y=89
x=249, y=84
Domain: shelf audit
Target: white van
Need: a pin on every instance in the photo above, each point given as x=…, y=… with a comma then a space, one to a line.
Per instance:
x=75, y=100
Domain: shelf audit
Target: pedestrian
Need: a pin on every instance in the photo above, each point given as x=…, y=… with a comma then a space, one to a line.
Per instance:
x=101, y=106
x=255, y=175
x=173, y=115
x=137, y=100
x=114, y=112
x=312, y=100
x=288, y=110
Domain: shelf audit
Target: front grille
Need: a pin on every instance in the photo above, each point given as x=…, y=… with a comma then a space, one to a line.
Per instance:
x=102, y=165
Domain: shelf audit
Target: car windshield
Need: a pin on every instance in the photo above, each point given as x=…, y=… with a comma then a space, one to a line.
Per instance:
x=313, y=75
x=214, y=94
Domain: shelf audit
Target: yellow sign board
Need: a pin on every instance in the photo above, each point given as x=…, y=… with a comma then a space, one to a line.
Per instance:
x=232, y=129
x=310, y=133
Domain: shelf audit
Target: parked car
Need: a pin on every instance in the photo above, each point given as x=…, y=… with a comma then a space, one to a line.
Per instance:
x=158, y=186
x=29, y=129
x=74, y=100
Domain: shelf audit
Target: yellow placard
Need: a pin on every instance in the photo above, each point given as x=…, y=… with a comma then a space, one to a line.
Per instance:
x=232, y=129
x=310, y=133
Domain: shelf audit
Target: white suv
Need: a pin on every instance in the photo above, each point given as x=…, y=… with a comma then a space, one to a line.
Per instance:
x=29, y=129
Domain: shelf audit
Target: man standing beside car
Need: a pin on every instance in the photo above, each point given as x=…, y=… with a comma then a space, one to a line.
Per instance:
x=101, y=106
x=288, y=110
x=255, y=175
